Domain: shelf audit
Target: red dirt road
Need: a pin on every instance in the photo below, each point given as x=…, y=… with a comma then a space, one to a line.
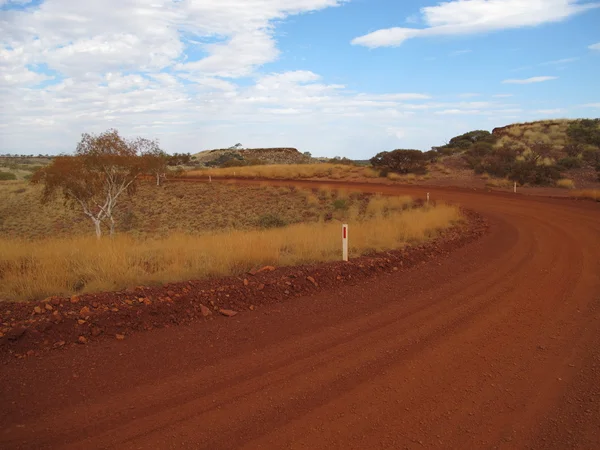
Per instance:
x=495, y=346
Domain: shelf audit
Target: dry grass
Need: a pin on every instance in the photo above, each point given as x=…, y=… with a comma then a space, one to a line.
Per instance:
x=407, y=178
x=565, y=183
x=290, y=171
x=173, y=208
x=503, y=183
x=591, y=194
x=37, y=269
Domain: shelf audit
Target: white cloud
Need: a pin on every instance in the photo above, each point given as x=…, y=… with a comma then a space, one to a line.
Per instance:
x=559, y=62
x=469, y=95
x=530, y=80
x=591, y=105
x=455, y=112
x=550, y=112
x=477, y=16
x=595, y=46
x=460, y=52
x=503, y=95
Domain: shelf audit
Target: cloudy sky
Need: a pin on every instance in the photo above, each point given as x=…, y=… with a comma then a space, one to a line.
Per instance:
x=333, y=77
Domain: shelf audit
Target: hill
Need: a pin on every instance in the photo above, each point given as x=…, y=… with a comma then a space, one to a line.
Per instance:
x=236, y=156
x=536, y=153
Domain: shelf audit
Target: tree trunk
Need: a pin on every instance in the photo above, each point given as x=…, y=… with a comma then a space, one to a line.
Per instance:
x=112, y=226
x=97, y=227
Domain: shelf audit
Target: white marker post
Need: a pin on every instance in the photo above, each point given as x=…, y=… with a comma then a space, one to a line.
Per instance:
x=209, y=179
x=428, y=198
x=515, y=188
x=345, y=242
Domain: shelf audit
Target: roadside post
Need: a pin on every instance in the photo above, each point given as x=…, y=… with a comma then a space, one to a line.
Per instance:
x=515, y=188
x=428, y=198
x=345, y=242
x=209, y=179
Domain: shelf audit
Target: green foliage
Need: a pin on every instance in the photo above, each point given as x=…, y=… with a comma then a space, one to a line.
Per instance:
x=271, y=221
x=569, y=162
x=339, y=160
x=528, y=172
x=464, y=141
x=585, y=131
x=229, y=158
x=401, y=161
x=179, y=159
x=340, y=204
x=7, y=176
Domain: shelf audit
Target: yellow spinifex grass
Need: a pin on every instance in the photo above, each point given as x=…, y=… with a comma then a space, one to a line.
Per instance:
x=37, y=269
x=289, y=171
x=592, y=194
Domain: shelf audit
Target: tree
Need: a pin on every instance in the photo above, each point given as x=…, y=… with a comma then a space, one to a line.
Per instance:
x=154, y=158
x=179, y=159
x=103, y=168
x=401, y=161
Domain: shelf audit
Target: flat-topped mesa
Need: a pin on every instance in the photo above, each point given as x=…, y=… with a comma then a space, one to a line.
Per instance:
x=278, y=155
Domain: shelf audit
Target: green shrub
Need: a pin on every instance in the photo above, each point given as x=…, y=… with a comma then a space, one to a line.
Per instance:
x=400, y=161
x=340, y=204
x=7, y=176
x=271, y=221
x=527, y=172
x=569, y=163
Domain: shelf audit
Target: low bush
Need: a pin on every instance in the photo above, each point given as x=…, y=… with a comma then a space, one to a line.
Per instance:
x=565, y=183
x=7, y=176
x=271, y=221
x=569, y=162
x=401, y=161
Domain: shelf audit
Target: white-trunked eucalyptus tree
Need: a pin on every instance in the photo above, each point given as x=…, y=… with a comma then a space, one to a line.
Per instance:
x=104, y=167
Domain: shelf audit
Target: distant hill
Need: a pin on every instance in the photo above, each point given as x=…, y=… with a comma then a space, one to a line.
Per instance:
x=523, y=135
x=244, y=156
x=530, y=153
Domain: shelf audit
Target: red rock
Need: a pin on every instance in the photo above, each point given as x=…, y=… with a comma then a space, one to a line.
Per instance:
x=251, y=307
x=57, y=317
x=30, y=353
x=85, y=311
x=82, y=340
x=266, y=269
x=312, y=280
x=80, y=321
x=55, y=301
x=205, y=311
x=59, y=344
x=95, y=304
x=228, y=312
x=48, y=307
x=245, y=282
x=120, y=337
x=37, y=310
x=96, y=331
x=261, y=287
x=74, y=299
x=15, y=334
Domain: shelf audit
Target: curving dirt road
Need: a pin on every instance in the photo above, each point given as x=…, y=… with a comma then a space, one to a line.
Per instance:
x=495, y=346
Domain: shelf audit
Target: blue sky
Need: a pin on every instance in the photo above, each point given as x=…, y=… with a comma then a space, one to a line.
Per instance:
x=333, y=77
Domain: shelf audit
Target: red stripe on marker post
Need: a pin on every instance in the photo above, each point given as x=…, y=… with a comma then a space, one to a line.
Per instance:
x=345, y=242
